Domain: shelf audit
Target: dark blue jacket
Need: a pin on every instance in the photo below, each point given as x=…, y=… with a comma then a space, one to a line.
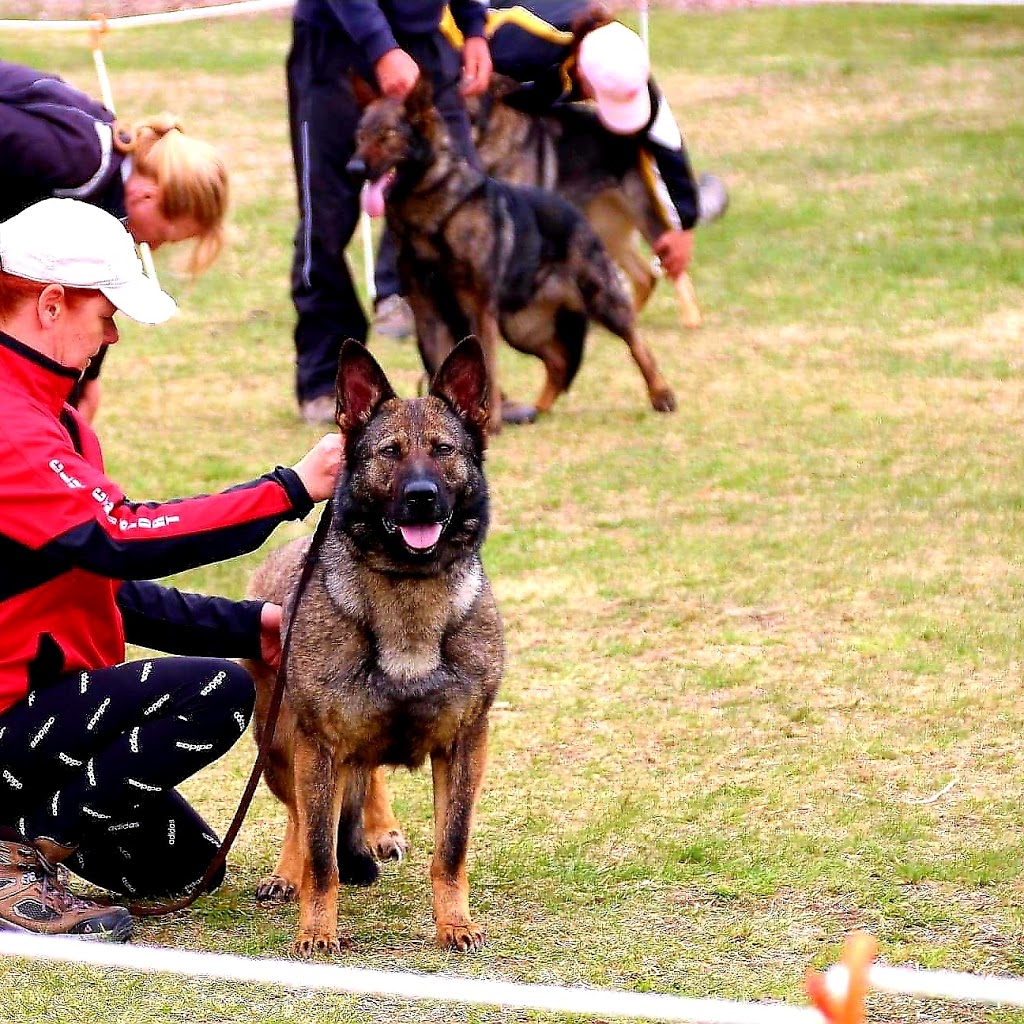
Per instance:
x=54, y=141
x=376, y=26
x=532, y=42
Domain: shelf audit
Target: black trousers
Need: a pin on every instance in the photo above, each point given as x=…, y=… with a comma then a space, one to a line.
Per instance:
x=91, y=760
x=323, y=116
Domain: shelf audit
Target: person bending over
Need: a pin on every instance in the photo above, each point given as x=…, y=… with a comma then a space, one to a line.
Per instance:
x=387, y=45
x=565, y=51
x=92, y=747
x=164, y=185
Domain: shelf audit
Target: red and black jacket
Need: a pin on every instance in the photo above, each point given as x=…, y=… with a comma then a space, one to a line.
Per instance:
x=69, y=538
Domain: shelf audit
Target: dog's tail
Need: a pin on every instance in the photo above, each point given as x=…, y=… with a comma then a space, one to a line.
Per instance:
x=603, y=289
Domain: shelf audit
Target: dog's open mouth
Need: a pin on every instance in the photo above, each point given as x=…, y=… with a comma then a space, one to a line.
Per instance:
x=419, y=537
x=375, y=192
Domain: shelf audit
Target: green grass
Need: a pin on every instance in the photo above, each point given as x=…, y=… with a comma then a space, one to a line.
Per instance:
x=747, y=643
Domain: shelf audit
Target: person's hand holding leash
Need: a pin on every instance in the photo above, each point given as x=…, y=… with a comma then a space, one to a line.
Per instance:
x=476, y=66
x=674, y=249
x=318, y=469
x=397, y=73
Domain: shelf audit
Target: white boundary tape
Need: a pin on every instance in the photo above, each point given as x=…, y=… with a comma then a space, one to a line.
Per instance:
x=139, y=20
x=443, y=988
x=951, y=985
x=292, y=974
x=260, y=6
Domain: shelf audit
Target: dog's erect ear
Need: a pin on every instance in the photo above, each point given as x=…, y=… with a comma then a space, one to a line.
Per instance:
x=419, y=104
x=462, y=383
x=361, y=387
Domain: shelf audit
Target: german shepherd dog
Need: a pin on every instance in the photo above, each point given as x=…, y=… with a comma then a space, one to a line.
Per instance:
x=395, y=652
x=567, y=149
x=478, y=256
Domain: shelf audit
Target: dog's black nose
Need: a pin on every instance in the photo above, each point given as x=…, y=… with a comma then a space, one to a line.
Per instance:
x=419, y=498
x=356, y=168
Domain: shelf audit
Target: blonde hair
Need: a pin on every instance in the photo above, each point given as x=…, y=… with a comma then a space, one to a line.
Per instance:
x=192, y=178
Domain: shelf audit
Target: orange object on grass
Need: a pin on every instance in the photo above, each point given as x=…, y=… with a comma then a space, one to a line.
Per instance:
x=859, y=954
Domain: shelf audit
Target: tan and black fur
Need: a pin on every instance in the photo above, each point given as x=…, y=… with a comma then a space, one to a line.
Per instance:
x=396, y=650
x=567, y=149
x=479, y=256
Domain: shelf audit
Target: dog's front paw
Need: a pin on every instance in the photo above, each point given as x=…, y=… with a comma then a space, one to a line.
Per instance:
x=389, y=845
x=357, y=867
x=465, y=937
x=275, y=889
x=309, y=942
x=663, y=400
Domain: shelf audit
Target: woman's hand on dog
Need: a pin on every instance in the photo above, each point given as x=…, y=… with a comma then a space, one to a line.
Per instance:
x=397, y=73
x=318, y=469
x=476, y=66
x=270, y=634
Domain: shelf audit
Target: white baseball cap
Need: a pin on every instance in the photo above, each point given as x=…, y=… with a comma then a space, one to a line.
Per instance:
x=68, y=242
x=613, y=60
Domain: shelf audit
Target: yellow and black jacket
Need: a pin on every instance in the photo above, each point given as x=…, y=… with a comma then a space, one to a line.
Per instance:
x=533, y=43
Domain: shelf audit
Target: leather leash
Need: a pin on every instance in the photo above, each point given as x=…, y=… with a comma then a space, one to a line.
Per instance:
x=263, y=747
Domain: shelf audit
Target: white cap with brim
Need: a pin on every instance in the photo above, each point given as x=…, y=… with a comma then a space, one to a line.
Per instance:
x=613, y=60
x=71, y=243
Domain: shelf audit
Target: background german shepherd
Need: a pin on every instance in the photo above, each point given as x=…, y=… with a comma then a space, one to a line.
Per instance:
x=567, y=149
x=477, y=255
x=396, y=647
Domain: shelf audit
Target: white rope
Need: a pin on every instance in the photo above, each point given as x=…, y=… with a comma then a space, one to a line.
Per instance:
x=443, y=988
x=139, y=20
x=950, y=985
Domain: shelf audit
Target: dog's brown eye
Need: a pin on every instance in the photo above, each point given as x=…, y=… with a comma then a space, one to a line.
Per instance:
x=391, y=451
x=441, y=450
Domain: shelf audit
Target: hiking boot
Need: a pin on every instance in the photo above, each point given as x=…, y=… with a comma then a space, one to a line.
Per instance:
x=393, y=318
x=318, y=411
x=34, y=897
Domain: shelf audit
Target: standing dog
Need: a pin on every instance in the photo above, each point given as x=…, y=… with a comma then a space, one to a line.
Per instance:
x=567, y=149
x=395, y=651
x=479, y=256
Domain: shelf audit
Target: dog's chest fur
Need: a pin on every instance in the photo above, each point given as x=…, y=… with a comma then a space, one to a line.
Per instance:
x=382, y=688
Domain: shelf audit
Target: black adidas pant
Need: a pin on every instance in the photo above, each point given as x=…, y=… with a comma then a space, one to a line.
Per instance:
x=91, y=760
x=323, y=116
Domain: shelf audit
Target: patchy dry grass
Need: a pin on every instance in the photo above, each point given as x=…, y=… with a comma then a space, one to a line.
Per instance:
x=764, y=655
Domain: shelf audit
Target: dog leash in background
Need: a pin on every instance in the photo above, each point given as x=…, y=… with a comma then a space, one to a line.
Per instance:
x=96, y=33
x=262, y=748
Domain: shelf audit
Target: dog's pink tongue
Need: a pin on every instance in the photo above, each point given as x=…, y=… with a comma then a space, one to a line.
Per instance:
x=373, y=196
x=419, y=538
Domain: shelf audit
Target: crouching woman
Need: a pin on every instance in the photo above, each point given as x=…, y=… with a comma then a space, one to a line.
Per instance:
x=92, y=747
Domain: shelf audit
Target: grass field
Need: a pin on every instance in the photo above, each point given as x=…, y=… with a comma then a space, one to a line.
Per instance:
x=748, y=644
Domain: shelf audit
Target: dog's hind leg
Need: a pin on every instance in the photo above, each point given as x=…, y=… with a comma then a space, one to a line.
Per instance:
x=283, y=884
x=607, y=302
x=380, y=826
x=356, y=863
x=458, y=776
x=611, y=216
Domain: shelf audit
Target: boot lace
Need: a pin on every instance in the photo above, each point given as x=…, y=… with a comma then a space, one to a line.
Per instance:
x=54, y=891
